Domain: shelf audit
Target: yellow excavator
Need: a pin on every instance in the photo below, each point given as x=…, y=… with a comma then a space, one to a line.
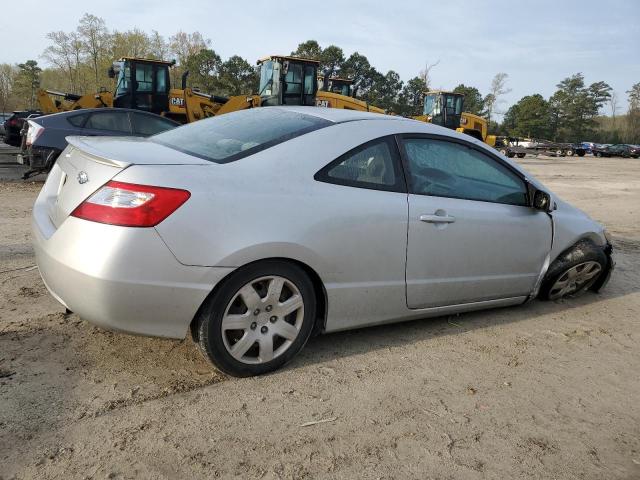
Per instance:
x=445, y=108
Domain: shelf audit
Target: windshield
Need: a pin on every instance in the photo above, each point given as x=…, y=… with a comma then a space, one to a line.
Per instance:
x=266, y=79
x=236, y=135
x=124, y=77
x=453, y=104
x=429, y=104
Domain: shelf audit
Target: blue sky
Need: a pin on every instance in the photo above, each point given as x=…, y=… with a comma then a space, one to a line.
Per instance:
x=538, y=43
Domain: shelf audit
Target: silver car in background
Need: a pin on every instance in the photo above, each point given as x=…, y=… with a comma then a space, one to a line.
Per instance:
x=256, y=229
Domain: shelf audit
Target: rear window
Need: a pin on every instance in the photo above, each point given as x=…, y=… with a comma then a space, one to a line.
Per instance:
x=236, y=135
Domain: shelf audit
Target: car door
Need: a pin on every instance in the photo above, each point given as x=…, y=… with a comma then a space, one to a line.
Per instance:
x=108, y=122
x=471, y=236
x=362, y=233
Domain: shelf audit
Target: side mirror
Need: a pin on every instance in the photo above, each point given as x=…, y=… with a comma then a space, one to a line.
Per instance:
x=111, y=72
x=542, y=201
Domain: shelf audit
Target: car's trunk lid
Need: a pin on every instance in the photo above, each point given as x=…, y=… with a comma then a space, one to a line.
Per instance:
x=88, y=163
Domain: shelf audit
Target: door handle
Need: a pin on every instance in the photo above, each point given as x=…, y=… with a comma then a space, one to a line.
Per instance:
x=437, y=218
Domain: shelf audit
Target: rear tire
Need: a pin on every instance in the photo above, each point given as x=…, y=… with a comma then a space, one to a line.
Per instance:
x=575, y=271
x=246, y=327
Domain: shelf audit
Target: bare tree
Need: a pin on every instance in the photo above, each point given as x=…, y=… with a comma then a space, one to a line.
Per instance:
x=184, y=44
x=498, y=88
x=159, y=47
x=425, y=74
x=7, y=78
x=61, y=54
x=613, y=103
x=95, y=40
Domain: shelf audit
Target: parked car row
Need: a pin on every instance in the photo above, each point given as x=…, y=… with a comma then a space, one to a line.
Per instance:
x=45, y=136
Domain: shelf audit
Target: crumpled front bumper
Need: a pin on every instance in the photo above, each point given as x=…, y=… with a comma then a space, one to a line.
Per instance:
x=606, y=276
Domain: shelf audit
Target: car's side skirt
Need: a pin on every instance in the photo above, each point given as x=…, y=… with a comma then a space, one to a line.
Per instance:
x=427, y=313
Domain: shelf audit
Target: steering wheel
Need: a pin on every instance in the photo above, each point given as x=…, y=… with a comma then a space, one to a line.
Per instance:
x=433, y=179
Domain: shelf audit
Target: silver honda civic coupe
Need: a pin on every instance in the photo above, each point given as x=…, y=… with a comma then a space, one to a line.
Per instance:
x=256, y=229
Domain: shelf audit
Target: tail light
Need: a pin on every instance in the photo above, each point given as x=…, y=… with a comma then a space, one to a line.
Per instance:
x=131, y=205
x=33, y=132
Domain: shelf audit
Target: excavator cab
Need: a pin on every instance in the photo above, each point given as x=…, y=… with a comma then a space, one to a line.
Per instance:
x=444, y=108
x=341, y=86
x=288, y=81
x=141, y=84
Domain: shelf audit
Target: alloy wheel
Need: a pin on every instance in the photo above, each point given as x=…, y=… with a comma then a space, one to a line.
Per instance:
x=576, y=279
x=263, y=319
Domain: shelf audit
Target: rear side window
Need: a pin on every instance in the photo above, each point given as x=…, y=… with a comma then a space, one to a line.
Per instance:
x=77, y=120
x=110, y=121
x=237, y=135
x=149, y=125
x=374, y=165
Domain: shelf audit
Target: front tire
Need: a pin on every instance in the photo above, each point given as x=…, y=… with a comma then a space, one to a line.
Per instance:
x=574, y=271
x=259, y=319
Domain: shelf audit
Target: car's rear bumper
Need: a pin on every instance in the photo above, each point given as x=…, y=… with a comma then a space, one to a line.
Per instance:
x=120, y=278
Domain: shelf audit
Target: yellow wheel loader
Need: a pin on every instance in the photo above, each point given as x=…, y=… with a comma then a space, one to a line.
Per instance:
x=284, y=80
x=141, y=84
x=446, y=109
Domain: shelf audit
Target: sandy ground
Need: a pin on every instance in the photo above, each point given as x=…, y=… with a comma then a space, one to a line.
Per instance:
x=545, y=390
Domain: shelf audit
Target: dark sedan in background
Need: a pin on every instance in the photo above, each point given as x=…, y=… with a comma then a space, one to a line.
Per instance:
x=13, y=125
x=618, y=150
x=46, y=136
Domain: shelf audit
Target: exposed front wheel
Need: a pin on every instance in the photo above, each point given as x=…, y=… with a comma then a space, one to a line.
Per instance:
x=574, y=272
x=258, y=320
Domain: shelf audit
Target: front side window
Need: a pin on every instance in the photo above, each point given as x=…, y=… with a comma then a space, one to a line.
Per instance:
x=447, y=169
x=110, y=121
x=454, y=104
x=373, y=165
x=293, y=79
x=144, y=78
x=310, y=80
x=161, y=80
x=229, y=137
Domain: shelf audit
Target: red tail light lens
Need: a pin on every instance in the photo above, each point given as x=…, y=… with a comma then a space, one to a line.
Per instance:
x=131, y=205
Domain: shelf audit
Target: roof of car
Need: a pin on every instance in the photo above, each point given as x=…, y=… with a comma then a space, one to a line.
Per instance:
x=338, y=115
x=84, y=111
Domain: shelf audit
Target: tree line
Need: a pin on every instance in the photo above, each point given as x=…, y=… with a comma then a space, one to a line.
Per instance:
x=78, y=62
